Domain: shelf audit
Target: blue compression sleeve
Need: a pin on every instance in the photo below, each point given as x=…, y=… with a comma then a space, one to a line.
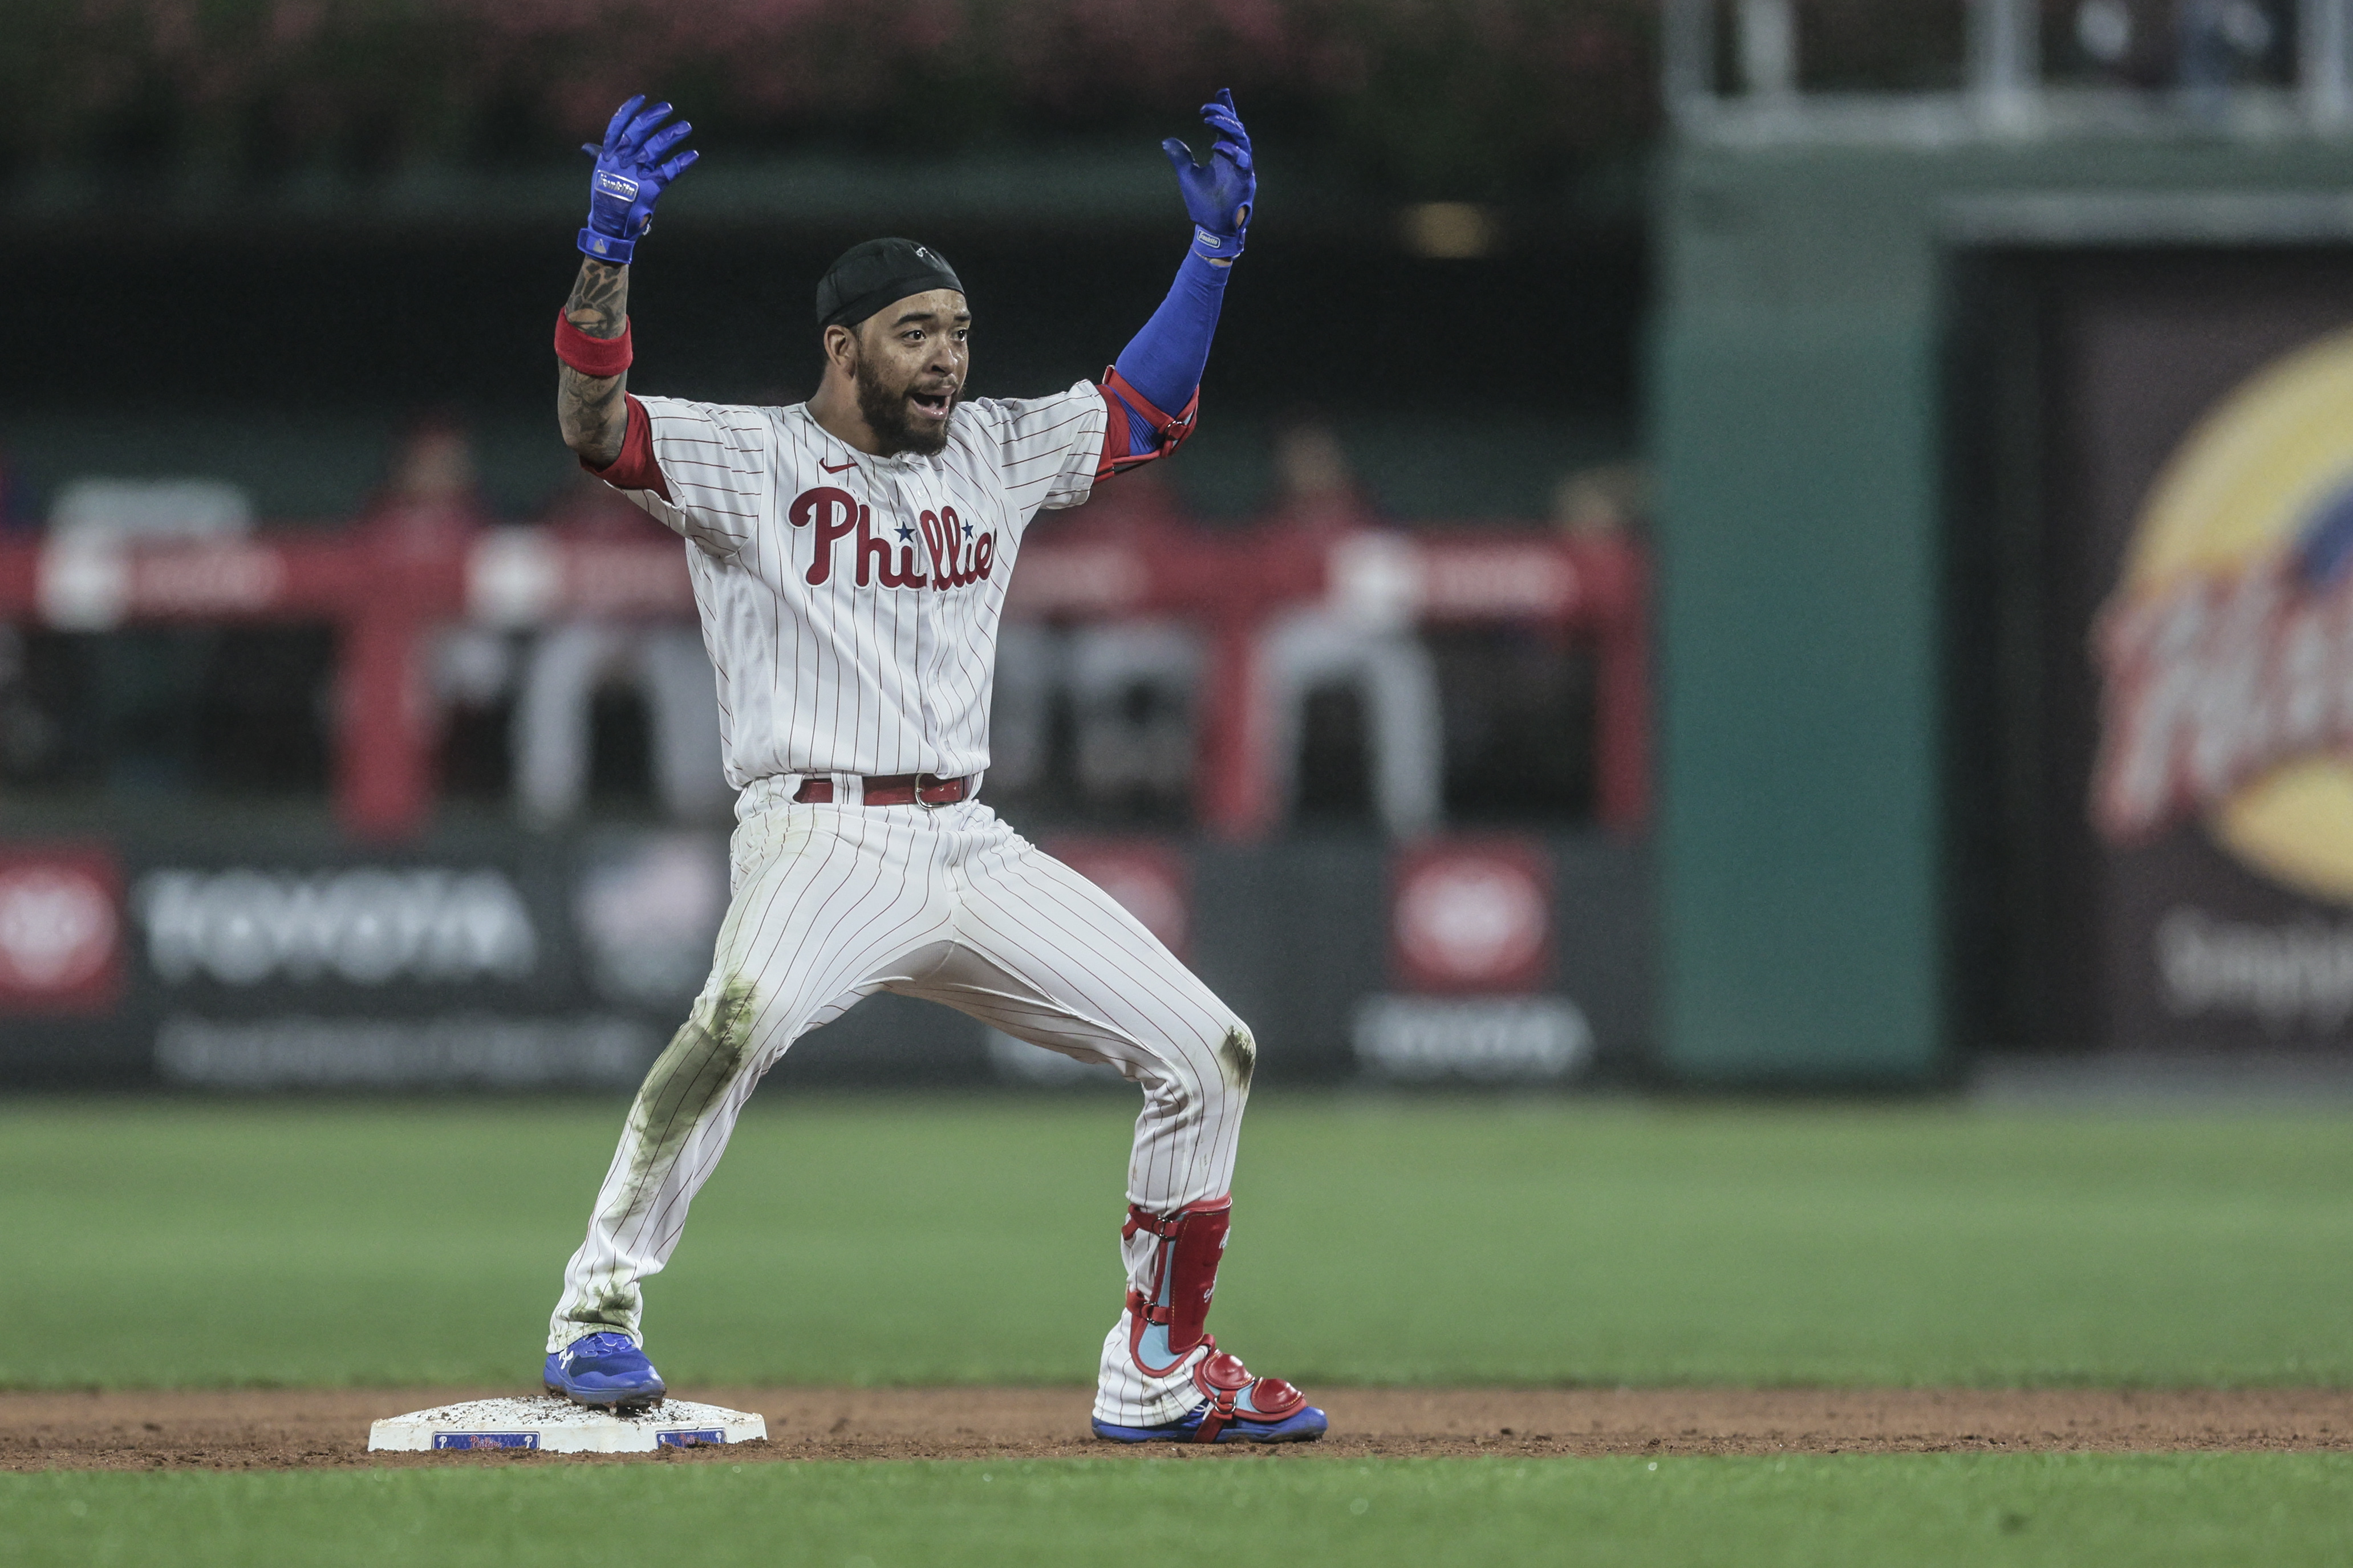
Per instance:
x=1165, y=361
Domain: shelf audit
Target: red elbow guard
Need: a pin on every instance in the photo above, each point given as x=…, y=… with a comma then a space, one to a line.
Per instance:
x=1169, y=430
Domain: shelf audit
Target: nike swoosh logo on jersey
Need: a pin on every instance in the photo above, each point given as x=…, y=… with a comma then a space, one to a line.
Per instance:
x=830, y=468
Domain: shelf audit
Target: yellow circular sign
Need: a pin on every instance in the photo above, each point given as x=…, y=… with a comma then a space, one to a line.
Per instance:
x=2228, y=645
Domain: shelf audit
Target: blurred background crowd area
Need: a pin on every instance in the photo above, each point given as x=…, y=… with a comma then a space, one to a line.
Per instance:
x=1661, y=584
x=293, y=259
x=1413, y=99
x=351, y=219
x=606, y=711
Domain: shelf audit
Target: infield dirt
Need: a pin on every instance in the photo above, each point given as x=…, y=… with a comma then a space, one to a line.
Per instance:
x=306, y=1429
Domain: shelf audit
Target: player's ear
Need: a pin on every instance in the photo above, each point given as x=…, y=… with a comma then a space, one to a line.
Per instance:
x=841, y=348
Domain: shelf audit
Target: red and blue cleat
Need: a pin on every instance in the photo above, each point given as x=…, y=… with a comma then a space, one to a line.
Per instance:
x=606, y=1371
x=1236, y=1408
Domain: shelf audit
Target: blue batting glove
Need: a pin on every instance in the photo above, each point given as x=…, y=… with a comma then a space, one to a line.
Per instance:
x=1219, y=193
x=630, y=177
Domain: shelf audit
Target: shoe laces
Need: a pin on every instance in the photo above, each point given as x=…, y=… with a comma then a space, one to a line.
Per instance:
x=601, y=1345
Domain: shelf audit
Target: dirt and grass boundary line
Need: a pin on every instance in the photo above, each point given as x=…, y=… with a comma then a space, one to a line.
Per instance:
x=327, y=1428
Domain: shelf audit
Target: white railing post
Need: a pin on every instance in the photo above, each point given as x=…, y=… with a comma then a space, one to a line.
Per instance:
x=1687, y=56
x=2005, y=60
x=1769, y=49
x=2324, y=41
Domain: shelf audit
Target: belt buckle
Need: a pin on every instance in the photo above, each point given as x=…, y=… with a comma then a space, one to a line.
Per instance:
x=926, y=804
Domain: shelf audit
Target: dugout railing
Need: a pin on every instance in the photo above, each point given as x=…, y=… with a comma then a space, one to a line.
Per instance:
x=385, y=597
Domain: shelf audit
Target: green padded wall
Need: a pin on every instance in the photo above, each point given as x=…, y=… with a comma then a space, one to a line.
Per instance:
x=1797, y=388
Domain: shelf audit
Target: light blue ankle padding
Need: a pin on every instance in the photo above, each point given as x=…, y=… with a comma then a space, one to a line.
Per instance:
x=1152, y=1349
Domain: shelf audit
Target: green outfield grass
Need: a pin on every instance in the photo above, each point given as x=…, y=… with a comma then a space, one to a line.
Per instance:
x=1823, y=1512
x=921, y=1240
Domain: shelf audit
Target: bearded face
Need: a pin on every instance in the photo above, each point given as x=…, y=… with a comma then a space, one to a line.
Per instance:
x=907, y=416
x=912, y=360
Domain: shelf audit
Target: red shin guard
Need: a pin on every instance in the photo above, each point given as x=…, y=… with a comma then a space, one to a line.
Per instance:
x=1183, y=1276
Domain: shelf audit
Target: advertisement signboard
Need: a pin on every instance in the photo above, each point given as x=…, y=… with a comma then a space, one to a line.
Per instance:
x=243, y=959
x=60, y=929
x=1471, y=934
x=2208, y=489
x=249, y=959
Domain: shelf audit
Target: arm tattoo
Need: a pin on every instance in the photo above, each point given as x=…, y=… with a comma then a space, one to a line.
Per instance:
x=591, y=409
x=601, y=298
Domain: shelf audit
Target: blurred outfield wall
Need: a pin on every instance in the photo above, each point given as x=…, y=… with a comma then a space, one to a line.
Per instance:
x=1898, y=485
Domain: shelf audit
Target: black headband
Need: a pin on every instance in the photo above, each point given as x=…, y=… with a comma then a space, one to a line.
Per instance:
x=871, y=275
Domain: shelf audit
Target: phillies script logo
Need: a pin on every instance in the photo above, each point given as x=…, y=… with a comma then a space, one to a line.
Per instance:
x=2216, y=680
x=2227, y=647
x=957, y=557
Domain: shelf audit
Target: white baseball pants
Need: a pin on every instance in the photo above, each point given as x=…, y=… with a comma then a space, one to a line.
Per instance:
x=835, y=902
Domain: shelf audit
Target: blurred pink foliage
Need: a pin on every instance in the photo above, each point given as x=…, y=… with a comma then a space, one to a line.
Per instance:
x=1428, y=90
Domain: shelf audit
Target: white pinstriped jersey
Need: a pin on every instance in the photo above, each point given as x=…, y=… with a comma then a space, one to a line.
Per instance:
x=850, y=603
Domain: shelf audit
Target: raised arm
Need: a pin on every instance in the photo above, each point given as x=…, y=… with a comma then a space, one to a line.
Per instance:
x=594, y=410
x=592, y=334
x=1158, y=378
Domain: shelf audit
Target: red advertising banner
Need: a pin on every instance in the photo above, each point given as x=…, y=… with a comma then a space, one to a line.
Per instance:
x=60, y=929
x=1472, y=914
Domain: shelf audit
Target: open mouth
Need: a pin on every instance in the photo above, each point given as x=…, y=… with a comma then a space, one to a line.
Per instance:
x=932, y=404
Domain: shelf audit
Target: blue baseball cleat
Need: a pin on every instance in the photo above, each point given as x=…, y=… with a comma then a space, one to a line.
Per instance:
x=1238, y=1408
x=608, y=1372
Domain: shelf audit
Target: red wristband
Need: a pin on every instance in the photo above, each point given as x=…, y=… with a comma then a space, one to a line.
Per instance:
x=591, y=356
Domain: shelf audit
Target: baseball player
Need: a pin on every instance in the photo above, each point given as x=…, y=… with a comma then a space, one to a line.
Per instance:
x=849, y=557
